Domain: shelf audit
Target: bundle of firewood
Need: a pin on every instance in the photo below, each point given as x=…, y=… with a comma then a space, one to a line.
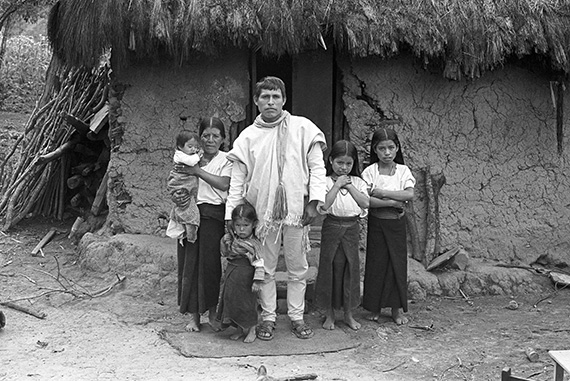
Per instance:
x=64, y=151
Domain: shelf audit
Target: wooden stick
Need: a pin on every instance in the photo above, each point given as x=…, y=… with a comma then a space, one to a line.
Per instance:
x=49, y=235
x=100, y=195
x=29, y=311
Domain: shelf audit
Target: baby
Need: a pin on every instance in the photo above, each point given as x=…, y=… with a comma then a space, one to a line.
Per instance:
x=185, y=218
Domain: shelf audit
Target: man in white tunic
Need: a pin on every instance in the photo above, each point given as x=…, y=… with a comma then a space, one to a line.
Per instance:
x=279, y=169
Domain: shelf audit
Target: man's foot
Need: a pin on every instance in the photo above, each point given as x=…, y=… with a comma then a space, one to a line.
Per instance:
x=398, y=316
x=329, y=321
x=237, y=334
x=250, y=337
x=193, y=324
x=301, y=329
x=265, y=330
x=350, y=321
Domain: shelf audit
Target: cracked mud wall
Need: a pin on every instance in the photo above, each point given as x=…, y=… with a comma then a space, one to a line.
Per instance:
x=159, y=101
x=506, y=195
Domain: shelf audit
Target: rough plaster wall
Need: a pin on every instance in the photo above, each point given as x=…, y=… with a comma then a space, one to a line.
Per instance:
x=494, y=139
x=158, y=102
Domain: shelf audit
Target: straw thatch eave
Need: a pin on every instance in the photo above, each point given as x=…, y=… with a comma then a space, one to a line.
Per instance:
x=469, y=36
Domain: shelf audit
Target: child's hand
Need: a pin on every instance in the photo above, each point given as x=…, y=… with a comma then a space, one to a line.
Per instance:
x=256, y=286
x=376, y=192
x=181, y=197
x=343, y=181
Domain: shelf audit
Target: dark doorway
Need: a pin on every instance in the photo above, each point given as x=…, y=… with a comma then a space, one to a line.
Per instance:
x=310, y=81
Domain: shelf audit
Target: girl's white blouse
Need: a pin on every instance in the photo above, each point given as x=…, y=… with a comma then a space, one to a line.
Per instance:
x=400, y=180
x=344, y=205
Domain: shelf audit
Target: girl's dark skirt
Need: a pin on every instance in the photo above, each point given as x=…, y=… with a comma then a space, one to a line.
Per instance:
x=338, y=279
x=199, y=264
x=386, y=269
x=238, y=304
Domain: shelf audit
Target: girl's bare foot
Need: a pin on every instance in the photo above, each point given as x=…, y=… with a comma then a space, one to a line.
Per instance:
x=329, y=320
x=250, y=338
x=212, y=320
x=194, y=323
x=374, y=317
x=398, y=316
x=350, y=321
x=238, y=334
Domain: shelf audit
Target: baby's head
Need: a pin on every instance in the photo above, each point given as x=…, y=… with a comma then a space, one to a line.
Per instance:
x=188, y=142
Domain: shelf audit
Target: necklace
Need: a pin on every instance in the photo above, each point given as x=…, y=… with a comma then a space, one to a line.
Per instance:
x=343, y=191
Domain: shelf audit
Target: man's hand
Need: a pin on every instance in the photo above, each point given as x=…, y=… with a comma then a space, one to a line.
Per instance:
x=230, y=228
x=310, y=212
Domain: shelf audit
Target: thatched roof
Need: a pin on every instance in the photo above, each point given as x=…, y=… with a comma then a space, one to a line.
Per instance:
x=471, y=36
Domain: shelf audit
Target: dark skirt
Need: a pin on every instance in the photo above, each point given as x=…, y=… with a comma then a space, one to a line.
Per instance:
x=238, y=304
x=338, y=279
x=199, y=264
x=386, y=269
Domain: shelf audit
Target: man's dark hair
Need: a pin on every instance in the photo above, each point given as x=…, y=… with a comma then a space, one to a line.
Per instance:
x=270, y=83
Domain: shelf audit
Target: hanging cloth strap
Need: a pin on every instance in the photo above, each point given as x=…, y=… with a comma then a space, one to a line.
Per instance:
x=280, y=209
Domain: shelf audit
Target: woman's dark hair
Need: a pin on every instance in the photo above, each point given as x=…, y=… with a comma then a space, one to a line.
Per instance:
x=212, y=122
x=185, y=135
x=343, y=148
x=269, y=83
x=245, y=210
x=381, y=135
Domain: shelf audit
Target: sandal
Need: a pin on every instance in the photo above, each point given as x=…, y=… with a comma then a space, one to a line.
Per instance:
x=264, y=331
x=302, y=330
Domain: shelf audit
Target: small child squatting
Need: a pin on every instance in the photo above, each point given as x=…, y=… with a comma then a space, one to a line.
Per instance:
x=244, y=275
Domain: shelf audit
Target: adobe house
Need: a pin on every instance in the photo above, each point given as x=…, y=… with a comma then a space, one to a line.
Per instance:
x=474, y=89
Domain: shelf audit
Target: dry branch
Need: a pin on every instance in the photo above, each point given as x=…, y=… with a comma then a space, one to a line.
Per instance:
x=29, y=311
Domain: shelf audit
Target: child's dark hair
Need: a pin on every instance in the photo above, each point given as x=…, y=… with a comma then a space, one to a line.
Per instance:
x=269, y=83
x=381, y=135
x=212, y=122
x=186, y=135
x=245, y=210
x=343, y=148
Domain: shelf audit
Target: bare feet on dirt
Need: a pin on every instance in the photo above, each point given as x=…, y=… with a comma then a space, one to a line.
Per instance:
x=237, y=335
x=194, y=323
x=214, y=324
x=398, y=316
x=250, y=338
x=350, y=321
x=329, y=320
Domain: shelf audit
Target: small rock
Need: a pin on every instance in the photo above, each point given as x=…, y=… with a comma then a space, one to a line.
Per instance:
x=513, y=305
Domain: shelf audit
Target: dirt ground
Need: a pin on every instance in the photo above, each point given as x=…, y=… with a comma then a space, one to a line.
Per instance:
x=116, y=336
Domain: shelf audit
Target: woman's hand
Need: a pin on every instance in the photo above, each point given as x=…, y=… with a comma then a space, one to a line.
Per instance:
x=181, y=197
x=186, y=169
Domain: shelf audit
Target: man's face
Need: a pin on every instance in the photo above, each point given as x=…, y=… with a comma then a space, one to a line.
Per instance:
x=270, y=104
